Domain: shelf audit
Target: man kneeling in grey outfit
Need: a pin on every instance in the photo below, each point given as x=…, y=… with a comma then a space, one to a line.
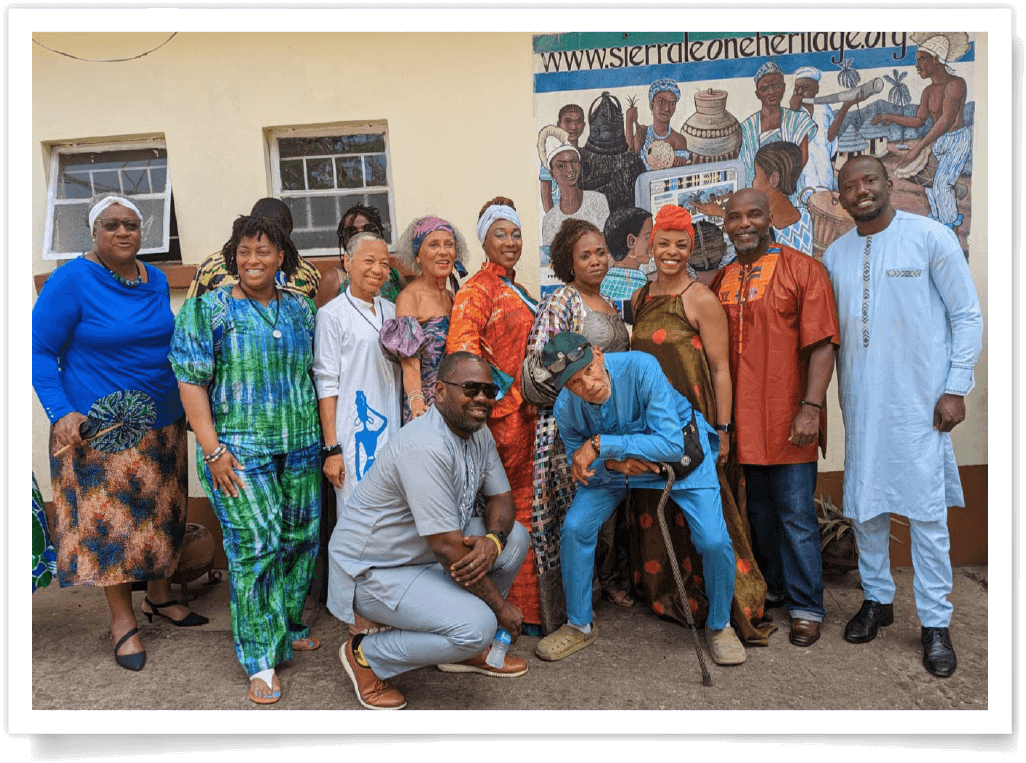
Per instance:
x=406, y=552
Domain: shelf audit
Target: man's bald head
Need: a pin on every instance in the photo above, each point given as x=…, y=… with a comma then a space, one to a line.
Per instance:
x=747, y=197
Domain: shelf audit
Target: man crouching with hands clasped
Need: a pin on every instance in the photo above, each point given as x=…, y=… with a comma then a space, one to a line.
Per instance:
x=406, y=552
x=619, y=418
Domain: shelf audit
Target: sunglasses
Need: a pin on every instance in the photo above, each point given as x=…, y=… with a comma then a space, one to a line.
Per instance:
x=563, y=361
x=112, y=225
x=473, y=389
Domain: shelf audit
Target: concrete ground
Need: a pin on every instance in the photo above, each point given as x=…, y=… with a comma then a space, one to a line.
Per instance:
x=639, y=662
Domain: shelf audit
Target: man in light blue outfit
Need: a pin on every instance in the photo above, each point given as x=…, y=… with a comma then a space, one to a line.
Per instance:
x=619, y=418
x=911, y=332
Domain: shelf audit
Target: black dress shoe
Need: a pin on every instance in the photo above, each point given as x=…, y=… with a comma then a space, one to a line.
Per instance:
x=863, y=626
x=938, y=654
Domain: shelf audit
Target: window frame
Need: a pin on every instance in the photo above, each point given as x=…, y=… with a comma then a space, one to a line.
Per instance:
x=59, y=148
x=377, y=127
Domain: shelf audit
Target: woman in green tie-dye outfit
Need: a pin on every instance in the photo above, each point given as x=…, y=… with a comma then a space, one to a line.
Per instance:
x=242, y=355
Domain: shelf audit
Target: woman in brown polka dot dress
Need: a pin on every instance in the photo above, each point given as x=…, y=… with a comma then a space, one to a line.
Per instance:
x=681, y=323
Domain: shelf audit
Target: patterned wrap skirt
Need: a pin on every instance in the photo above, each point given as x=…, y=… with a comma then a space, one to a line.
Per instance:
x=120, y=517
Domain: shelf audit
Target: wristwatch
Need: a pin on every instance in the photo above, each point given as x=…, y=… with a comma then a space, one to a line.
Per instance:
x=724, y=427
x=330, y=450
x=595, y=441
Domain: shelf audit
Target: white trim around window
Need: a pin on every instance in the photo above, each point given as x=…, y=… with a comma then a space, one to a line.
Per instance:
x=128, y=171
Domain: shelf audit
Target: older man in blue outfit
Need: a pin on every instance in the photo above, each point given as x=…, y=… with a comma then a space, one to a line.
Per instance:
x=408, y=554
x=620, y=418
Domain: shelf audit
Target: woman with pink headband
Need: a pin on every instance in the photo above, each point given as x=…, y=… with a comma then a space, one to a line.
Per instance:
x=415, y=338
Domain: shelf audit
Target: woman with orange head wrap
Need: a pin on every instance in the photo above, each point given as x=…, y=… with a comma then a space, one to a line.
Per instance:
x=681, y=323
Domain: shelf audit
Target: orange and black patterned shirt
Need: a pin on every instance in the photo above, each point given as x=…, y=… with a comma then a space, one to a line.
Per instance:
x=777, y=308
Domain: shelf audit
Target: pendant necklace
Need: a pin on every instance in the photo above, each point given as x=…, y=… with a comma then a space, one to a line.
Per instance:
x=277, y=311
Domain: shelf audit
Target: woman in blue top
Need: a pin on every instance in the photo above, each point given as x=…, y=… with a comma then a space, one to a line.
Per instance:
x=103, y=324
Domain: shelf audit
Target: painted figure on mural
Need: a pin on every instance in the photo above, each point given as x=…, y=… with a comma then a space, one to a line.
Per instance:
x=564, y=162
x=627, y=232
x=777, y=168
x=773, y=122
x=819, y=170
x=949, y=139
x=608, y=165
x=662, y=99
x=571, y=121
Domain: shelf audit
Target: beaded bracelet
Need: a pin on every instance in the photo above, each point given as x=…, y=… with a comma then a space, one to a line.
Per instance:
x=215, y=454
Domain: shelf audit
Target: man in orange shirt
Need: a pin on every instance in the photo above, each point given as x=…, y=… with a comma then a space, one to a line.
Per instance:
x=783, y=334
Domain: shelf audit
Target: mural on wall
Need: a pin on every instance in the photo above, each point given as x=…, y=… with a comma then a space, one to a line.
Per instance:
x=629, y=122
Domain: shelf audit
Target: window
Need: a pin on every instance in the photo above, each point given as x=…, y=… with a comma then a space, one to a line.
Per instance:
x=137, y=171
x=320, y=172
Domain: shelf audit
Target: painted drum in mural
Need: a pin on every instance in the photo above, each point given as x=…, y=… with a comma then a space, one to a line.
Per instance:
x=713, y=133
x=829, y=220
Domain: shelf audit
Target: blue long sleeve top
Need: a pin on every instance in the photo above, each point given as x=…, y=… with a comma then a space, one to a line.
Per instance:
x=92, y=336
x=643, y=418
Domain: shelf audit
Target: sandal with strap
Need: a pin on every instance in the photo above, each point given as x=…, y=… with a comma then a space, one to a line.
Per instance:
x=307, y=644
x=260, y=700
x=186, y=622
x=129, y=661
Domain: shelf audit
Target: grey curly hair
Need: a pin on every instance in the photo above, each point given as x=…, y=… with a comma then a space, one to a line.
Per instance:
x=404, y=246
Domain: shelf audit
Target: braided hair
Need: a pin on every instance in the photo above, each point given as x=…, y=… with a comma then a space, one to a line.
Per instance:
x=249, y=226
x=784, y=158
x=561, y=250
x=345, y=231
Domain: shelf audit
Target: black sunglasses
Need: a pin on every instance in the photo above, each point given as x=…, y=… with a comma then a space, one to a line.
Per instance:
x=113, y=225
x=473, y=389
x=563, y=361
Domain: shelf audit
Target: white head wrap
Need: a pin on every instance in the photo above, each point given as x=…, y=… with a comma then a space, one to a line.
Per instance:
x=110, y=201
x=553, y=146
x=493, y=213
x=808, y=72
x=936, y=46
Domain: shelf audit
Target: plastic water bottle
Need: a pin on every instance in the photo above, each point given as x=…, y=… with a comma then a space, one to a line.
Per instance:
x=497, y=654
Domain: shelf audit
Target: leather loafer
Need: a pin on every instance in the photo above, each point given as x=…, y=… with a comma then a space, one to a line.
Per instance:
x=873, y=615
x=804, y=632
x=371, y=691
x=938, y=654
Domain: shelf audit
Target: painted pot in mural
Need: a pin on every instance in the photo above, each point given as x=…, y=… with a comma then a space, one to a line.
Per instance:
x=829, y=220
x=712, y=132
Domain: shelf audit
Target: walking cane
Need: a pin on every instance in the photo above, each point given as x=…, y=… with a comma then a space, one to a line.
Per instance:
x=668, y=470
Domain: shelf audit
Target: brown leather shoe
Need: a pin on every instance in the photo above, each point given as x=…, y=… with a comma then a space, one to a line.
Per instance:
x=373, y=693
x=511, y=668
x=804, y=632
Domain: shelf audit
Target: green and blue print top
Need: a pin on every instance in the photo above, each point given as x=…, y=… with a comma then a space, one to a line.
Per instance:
x=261, y=395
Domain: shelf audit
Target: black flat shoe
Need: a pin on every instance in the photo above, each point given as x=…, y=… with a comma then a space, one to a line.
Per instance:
x=188, y=621
x=938, y=654
x=129, y=661
x=863, y=627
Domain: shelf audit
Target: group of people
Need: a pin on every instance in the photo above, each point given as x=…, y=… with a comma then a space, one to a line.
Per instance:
x=482, y=446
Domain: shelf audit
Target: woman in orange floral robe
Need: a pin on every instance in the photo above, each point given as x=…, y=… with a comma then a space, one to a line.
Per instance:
x=491, y=317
